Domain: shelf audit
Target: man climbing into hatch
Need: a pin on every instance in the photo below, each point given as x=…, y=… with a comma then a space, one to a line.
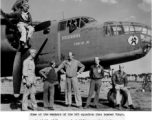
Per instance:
x=24, y=24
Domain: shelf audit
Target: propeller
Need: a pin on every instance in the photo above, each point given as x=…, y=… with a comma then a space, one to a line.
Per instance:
x=40, y=50
x=17, y=73
x=12, y=25
x=17, y=66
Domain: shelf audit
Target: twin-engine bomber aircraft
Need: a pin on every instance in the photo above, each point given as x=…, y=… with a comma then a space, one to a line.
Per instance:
x=113, y=42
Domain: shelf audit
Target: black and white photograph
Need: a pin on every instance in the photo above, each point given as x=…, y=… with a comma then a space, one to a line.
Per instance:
x=76, y=55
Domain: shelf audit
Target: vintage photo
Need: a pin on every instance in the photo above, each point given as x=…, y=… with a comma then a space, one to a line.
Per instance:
x=76, y=55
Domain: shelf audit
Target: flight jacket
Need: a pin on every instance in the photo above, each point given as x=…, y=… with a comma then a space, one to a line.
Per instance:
x=72, y=67
x=18, y=16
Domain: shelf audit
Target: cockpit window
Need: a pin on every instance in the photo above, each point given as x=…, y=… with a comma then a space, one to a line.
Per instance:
x=120, y=30
x=62, y=26
x=106, y=30
x=126, y=29
x=138, y=28
x=86, y=20
x=82, y=24
x=144, y=30
x=73, y=24
x=132, y=29
x=91, y=19
x=113, y=30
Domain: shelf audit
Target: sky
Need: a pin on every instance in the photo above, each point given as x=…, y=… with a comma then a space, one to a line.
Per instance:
x=101, y=10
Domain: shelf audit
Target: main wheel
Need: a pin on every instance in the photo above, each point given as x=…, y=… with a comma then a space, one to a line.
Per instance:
x=111, y=96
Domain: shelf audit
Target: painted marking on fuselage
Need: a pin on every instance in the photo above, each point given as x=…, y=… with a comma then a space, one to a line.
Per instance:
x=70, y=36
x=133, y=40
x=81, y=43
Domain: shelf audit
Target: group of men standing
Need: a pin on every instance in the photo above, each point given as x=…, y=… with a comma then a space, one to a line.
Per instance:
x=68, y=67
x=71, y=68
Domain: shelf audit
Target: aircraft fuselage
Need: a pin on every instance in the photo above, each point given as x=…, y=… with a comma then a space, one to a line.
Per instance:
x=112, y=42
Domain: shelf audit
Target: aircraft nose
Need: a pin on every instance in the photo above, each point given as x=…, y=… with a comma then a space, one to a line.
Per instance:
x=146, y=39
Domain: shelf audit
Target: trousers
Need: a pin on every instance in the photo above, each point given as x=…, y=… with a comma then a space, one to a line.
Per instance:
x=95, y=85
x=68, y=94
x=22, y=27
x=29, y=91
x=48, y=94
x=118, y=98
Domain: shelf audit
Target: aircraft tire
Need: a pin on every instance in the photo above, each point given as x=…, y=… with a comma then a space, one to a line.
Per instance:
x=112, y=97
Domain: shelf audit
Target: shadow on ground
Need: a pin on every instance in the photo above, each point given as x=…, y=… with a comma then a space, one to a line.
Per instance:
x=60, y=100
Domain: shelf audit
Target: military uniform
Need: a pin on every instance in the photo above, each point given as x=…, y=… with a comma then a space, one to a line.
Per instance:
x=96, y=74
x=29, y=82
x=48, y=88
x=24, y=23
x=119, y=81
x=71, y=68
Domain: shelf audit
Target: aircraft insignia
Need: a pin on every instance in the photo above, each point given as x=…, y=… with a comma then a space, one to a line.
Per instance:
x=133, y=40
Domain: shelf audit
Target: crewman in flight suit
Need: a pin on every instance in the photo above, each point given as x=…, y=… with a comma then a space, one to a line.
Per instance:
x=29, y=81
x=119, y=81
x=96, y=75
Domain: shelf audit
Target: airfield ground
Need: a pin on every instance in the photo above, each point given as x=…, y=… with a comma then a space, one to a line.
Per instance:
x=141, y=100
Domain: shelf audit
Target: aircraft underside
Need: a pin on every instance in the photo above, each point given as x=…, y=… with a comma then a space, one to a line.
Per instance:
x=111, y=59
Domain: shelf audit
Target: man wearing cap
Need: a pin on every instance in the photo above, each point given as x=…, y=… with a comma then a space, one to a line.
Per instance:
x=29, y=81
x=24, y=21
x=17, y=5
x=49, y=74
x=119, y=81
x=71, y=70
x=96, y=75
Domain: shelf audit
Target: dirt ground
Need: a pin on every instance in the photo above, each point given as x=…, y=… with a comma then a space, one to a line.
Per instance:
x=141, y=100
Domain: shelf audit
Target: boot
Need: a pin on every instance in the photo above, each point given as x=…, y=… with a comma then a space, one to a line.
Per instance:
x=131, y=107
x=21, y=45
x=50, y=108
x=86, y=107
x=118, y=106
x=28, y=44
